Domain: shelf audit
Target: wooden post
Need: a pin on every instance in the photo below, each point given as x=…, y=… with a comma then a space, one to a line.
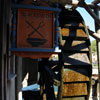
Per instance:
x=61, y=67
x=18, y=69
x=98, y=53
x=94, y=90
x=10, y=74
x=41, y=80
x=98, y=48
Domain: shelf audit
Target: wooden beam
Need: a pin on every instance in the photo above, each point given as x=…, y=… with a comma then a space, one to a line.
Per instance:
x=95, y=2
x=81, y=0
x=53, y=76
x=94, y=35
x=71, y=2
x=75, y=3
x=88, y=9
x=62, y=2
x=92, y=6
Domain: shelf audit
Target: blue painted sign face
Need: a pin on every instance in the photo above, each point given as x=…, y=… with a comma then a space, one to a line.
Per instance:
x=35, y=28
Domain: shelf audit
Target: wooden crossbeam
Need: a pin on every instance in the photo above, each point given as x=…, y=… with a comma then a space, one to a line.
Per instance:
x=96, y=2
x=81, y=0
x=62, y=2
x=76, y=3
x=53, y=76
x=95, y=35
x=88, y=9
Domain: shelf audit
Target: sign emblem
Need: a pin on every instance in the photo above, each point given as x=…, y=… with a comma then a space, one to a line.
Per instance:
x=35, y=42
x=35, y=28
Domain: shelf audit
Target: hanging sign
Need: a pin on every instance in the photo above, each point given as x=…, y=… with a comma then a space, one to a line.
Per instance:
x=35, y=28
x=35, y=31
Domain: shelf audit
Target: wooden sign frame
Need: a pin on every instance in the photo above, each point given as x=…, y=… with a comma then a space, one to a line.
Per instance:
x=20, y=11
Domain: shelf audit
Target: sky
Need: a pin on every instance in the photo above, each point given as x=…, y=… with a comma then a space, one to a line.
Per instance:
x=89, y=21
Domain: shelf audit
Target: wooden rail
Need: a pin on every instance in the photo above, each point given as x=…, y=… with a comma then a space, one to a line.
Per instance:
x=96, y=2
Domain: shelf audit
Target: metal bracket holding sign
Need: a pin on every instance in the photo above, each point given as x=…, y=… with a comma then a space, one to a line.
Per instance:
x=35, y=30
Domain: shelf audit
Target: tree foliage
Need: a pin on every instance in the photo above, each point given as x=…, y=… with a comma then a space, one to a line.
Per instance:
x=93, y=46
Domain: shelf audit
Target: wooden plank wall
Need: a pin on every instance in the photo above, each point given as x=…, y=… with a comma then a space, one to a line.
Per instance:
x=6, y=85
x=1, y=55
x=9, y=64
